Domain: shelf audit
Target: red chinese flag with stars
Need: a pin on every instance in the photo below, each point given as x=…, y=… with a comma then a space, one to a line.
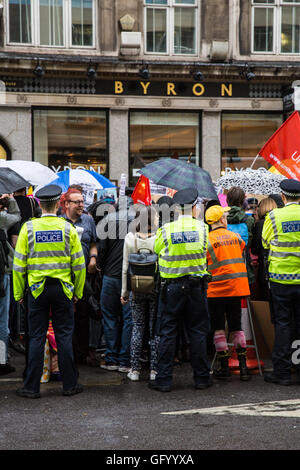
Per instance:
x=141, y=193
x=283, y=149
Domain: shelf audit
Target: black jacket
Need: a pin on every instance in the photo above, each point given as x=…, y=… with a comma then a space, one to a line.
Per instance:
x=110, y=249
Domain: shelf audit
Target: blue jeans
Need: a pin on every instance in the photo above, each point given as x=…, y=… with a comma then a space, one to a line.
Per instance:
x=4, y=314
x=117, y=322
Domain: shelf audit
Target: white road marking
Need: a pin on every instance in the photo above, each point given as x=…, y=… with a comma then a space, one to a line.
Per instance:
x=12, y=379
x=284, y=408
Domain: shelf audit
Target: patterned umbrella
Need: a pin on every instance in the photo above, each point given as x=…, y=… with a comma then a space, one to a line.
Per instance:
x=178, y=174
x=260, y=181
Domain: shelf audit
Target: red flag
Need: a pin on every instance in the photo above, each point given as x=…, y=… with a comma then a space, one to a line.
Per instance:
x=283, y=149
x=141, y=193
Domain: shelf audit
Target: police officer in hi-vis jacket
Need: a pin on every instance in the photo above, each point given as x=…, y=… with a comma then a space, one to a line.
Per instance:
x=281, y=236
x=181, y=247
x=49, y=259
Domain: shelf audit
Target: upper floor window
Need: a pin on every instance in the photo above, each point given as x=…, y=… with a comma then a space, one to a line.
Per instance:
x=276, y=26
x=171, y=26
x=60, y=23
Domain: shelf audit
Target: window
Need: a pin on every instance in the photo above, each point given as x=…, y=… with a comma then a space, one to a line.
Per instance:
x=276, y=26
x=171, y=26
x=243, y=135
x=70, y=138
x=59, y=23
x=155, y=135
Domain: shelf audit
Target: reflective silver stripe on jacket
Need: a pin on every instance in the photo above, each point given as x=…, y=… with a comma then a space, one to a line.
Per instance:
x=79, y=267
x=45, y=254
x=225, y=262
x=225, y=277
x=165, y=238
x=67, y=238
x=40, y=267
x=283, y=254
x=77, y=255
x=30, y=233
x=187, y=257
x=285, y=244
x=20, y=256
x=212, y=253
x=19, y=269
x=182, y=270
x=272, y=218
x=204, y=237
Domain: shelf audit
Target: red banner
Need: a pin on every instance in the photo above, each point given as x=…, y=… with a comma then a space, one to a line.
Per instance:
x=283, y=149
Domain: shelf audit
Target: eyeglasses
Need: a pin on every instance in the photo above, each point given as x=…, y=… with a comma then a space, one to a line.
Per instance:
x=79, y=201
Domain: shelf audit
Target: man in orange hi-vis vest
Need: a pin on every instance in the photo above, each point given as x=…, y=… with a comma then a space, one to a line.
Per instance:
x=229, y=283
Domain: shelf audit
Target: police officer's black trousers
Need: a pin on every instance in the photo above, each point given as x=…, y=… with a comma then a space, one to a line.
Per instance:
x=62, y=316
x=286, y=313
x=189, y=303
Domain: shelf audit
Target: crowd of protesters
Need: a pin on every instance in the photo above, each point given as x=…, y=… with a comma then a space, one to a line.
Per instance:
x=122, y=325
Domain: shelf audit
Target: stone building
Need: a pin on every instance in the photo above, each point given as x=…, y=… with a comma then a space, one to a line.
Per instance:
x=116, y=84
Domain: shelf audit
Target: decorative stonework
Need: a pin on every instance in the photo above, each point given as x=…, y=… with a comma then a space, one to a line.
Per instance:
x=166, y=102
x=127, y=22
x=72, y=100
x=213, y=103
x=255, y=104
x=120, y=101
x=21, y=99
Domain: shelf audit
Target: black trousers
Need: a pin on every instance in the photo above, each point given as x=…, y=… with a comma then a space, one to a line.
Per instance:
x=62, y=316
x=286, y=316
x=221, y=308
x=180, y=301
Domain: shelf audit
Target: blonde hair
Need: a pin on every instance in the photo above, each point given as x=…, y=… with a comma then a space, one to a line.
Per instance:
x=265, y=206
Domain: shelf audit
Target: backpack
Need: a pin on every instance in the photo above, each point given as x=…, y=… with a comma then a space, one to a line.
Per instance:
x=3, y=260
x=142, y=271
x=241, y=229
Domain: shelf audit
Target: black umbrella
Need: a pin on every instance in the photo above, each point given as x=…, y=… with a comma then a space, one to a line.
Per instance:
x=10, y=181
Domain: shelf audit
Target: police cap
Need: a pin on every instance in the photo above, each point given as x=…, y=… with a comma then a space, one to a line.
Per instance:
x=186, y=197
x=290, y=187
x=165, y=200
x=49, y=193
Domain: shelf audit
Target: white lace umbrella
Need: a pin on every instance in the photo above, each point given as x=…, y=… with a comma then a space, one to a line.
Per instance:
x=259, y=181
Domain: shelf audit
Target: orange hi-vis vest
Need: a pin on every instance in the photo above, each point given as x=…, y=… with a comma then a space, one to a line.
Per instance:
x=226, y=264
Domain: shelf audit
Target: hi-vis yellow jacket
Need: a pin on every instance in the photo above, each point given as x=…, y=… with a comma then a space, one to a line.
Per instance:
x=181, y=247
x=281, y=236
x=48, y=247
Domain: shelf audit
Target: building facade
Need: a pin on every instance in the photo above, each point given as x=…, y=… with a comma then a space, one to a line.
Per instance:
x=116, y=84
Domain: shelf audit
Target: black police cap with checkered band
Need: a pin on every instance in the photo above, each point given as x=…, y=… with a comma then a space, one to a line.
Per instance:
x=290, y=187
x=49, y=193
x=186, y=197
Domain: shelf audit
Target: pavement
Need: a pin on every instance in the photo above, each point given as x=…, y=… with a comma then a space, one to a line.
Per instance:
x=114, y=414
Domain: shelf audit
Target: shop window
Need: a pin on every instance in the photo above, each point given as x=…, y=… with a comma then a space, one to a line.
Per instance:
x=171, y=26
x=71, y=139
x=243, y=135
x=276, y=26
x=157, y=135
x=60, y=23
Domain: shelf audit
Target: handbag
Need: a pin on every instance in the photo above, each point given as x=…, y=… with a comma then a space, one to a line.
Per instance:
x=142, y=270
